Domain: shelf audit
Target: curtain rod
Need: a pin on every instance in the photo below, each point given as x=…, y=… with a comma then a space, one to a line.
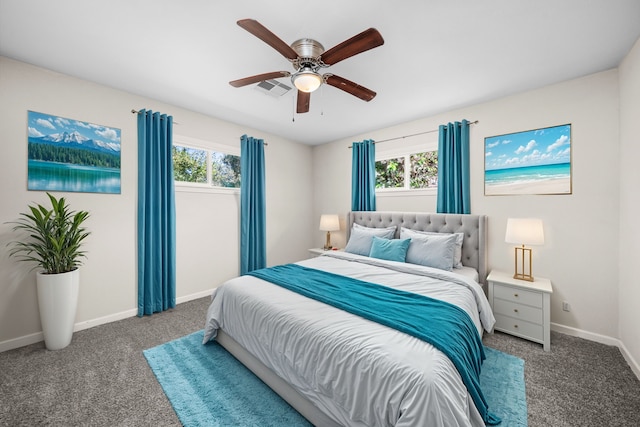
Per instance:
x=175, y=123
x=414, y=134
x=138, y=112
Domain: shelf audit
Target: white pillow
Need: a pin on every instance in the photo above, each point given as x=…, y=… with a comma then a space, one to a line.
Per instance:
x=457, y=257
x=435, y=250
x=361, y=238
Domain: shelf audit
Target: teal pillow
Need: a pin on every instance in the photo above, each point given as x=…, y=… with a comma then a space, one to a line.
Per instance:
x=389, y=249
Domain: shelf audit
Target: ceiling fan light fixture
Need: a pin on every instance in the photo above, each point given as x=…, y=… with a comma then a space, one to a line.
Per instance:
x=306, y=80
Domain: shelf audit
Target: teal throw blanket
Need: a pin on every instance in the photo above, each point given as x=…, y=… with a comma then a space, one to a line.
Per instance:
x=443, y=325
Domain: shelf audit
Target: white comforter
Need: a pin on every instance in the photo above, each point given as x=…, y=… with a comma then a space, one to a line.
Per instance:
x=356, y=371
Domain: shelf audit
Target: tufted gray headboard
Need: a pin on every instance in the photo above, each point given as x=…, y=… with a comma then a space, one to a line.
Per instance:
x=474, y=227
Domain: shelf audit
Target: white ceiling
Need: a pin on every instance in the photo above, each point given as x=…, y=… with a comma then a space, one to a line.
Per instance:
x=438, y=54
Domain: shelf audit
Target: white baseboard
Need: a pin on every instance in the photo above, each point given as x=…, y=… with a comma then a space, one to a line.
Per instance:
x=602, y=339
x=21, y=341
x=191, y=297
x=575, y=332
x=630, y=360
x=38, y=336
x=104, y=320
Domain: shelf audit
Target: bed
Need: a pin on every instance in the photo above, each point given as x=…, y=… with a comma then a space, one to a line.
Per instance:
x=339, y=368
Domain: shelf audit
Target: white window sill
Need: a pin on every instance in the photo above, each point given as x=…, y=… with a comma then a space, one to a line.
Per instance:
x=204, y=188
x=392, y=192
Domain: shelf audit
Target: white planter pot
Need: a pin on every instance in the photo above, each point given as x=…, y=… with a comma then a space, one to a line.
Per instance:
x=58, y=301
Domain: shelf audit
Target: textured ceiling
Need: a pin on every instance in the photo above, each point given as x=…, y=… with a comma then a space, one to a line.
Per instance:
x=438, y=54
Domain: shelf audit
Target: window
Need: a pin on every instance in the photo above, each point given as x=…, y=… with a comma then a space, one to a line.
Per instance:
x=408, y=172
x=225, y=170
x=200, y=164
x=189, y=164
x=424, y=170
x=390, y=173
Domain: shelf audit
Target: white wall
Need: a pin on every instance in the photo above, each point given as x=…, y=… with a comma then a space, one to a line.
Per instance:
x=207, y=224
x=580, y=254
x=630, y=202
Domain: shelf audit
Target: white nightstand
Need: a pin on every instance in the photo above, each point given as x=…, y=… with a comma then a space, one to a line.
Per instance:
x=319, y=251
x=316, y=251
x=521, y=308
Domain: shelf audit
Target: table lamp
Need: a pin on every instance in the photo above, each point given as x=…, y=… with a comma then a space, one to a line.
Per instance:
x=524, y=231
x=329, y=223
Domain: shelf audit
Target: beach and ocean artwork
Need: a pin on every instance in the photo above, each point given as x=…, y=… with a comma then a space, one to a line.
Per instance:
x=71, y=155
x=531, y=162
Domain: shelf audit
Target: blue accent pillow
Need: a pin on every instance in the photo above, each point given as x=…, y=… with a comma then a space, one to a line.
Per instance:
x=361, y=238
x=389, y=249
x=432, y=251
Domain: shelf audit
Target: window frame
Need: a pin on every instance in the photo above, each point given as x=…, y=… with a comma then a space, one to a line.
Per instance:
x=208, y=146
x=406, y=152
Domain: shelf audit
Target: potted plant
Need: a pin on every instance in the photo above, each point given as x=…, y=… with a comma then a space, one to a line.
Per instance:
x=53, y=241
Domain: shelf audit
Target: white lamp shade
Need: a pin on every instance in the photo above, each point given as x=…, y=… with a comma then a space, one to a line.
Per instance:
x=524, y=231
x=329, y=223
x=307, y=81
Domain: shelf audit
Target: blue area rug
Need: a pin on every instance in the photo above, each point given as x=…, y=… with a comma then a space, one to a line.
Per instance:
x=207, y=386
x=502, y=382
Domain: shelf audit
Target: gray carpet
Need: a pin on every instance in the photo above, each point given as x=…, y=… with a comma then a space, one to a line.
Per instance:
x=577, y=383
x=102, y=378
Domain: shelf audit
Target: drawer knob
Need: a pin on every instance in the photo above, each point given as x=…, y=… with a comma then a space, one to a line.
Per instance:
x=515, y=310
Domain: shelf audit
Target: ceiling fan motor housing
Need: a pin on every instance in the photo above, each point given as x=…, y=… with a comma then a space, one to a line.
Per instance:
x=308, y=51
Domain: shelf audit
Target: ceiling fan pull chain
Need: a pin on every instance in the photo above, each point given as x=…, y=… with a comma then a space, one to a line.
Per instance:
x=293, y=109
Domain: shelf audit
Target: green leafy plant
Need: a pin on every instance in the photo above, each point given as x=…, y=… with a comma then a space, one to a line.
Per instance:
x=54, y=237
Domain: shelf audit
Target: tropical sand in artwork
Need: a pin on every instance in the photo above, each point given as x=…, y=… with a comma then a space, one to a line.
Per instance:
x=547, y=186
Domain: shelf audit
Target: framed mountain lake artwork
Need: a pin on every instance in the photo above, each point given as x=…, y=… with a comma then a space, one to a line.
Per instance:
x=531, y=162
x=71, y=155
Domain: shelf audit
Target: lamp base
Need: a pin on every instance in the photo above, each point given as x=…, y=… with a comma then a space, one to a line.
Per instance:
x=523, y=269
x=327, y=245
x=526, y=277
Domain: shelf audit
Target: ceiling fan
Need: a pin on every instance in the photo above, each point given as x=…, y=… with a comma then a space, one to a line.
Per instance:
x=307, y=57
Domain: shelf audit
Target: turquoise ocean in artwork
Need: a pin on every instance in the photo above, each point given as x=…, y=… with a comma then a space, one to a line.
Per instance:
x=527, y=175
x=53, y=176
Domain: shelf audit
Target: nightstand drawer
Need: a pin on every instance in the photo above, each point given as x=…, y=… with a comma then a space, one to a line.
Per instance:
x=519, y=327
x=518, y=295
x=517, y=311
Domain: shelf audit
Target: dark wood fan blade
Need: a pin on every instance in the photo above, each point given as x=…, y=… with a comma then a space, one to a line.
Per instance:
x=261, y=32
x=368, y=39
x=350, y=87
x=258, y=78
x=303, y=102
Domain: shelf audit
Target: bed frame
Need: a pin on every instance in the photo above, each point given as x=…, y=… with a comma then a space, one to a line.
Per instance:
x=474, y=254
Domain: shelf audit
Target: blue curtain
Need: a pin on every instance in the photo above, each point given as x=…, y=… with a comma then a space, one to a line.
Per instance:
x=453, y=169
x=253, y=239
x=156, y=214
x=363, y=176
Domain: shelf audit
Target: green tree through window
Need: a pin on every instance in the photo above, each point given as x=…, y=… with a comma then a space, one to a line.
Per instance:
x=189, y=164
x=225, y=170
x=413, y=171
x=424, y=169
x=390, y=173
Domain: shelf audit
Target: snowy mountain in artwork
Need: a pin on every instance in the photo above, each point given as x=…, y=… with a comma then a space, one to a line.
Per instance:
x=75, y=140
